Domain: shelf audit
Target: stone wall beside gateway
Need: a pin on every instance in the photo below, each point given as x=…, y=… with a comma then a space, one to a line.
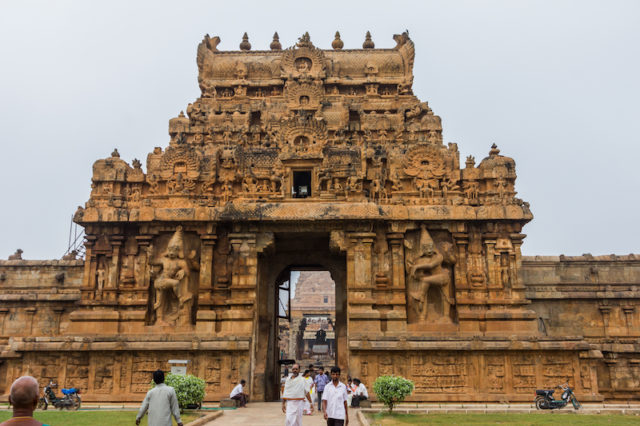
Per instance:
x=124, y=375
x=597, y=298
x=592, y=299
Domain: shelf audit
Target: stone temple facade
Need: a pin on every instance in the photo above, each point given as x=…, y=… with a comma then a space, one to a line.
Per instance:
x=317, y=159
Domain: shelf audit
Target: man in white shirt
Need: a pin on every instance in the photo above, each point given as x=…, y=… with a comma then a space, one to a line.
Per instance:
x=334, y=400
x=360, y=394
x=238, y=394
x=162, y=402
x=296, y=390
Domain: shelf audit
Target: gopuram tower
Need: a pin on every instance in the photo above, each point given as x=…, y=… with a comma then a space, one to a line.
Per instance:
x=304, y=159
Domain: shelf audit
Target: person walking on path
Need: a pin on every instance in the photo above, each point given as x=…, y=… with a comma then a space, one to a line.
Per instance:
x=334, y=401
x=162, y=402
x=238, y=394
x=296, y=390
x=321, y=381
x=308, y=404
x=23, y=396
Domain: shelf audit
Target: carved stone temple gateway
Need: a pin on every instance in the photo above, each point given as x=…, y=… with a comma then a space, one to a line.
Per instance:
x=312, y=159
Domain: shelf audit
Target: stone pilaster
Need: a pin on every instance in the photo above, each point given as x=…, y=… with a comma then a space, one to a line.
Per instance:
x=360, y=298
x=111, y=285
x=396, y=240
x=206, y=268
x=142, y=290
x=90, y=268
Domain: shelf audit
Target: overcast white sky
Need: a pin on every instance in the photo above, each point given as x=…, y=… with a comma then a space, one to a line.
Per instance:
x=554, y=83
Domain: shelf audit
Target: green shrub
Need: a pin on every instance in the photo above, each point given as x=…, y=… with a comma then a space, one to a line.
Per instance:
x=189, y=389
x=392, y=389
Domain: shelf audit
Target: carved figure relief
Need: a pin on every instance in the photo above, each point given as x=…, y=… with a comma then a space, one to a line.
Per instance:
x=424, y=270
x=173, y=295
x=476, y=271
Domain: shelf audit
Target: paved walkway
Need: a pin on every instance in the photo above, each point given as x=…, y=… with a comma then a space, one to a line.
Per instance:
x=269, y=414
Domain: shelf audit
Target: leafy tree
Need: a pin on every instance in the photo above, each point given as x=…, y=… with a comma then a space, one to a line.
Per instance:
x=392, y=389
x=189, y=389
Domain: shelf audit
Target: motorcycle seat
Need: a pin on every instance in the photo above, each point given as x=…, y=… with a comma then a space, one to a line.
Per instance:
x=69, y=391
x=543, y=392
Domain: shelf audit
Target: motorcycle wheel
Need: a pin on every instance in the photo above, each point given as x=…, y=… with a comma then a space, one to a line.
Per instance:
x=76, y=403
x=540, y=404
x=42, y=405
x=576, y=404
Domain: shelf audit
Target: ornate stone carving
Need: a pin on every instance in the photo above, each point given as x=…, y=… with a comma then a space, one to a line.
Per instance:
x=17, y=255
x=425, y=271
x=303, y=61
x=173, y=295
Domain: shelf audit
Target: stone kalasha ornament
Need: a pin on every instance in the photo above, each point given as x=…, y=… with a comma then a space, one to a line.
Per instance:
x=245, y=45
x=337, y=44
x=275, y=44
x=368, y=43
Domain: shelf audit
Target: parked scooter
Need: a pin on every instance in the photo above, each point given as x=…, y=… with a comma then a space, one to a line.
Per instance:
x=70, y=401
x=544, y=399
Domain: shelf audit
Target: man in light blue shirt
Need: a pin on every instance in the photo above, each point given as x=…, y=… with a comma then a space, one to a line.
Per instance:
x=162, y=402
x=321, y=381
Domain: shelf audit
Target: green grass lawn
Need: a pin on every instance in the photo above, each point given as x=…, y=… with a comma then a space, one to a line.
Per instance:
x=92, y=418
x=385, y=419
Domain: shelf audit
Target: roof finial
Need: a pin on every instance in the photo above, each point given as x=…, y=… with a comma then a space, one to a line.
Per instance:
x=368, y=43
x=245, y=45
x=275, y=44
x=305, y=40
x=494, y=150
x=337, y=44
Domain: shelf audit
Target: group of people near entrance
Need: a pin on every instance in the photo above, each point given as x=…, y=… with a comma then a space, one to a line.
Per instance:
x=333, y=396
x=161, y=402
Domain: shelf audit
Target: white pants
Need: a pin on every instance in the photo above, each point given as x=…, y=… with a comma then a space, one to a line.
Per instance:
x=294, y=412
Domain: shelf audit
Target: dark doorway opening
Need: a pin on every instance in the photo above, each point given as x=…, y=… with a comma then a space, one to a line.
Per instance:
x=301, y=184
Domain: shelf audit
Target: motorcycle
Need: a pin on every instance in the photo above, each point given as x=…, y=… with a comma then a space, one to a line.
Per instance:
x=544, y=399
x=70, y=401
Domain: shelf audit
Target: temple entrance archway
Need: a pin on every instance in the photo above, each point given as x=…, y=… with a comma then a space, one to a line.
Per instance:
x=299, y=251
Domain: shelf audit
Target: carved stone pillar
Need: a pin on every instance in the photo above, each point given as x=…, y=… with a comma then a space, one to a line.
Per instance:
x=359, y=260
x=461, y=241
x=31, y=311
x=605, y=311
x=142, y=293
x=58, y=311
x=111, y=284
x=206, y=268
x=245, y=262
x=90, y=268
x=238, y=318
x=492, y=269
x=517, y=283
x=360, y=298
x=397, y=259
x=3, y=318
x=628, y=316
x=206, y=316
